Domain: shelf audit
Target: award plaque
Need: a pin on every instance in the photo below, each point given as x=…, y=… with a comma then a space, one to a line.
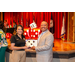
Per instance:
x=30, y=43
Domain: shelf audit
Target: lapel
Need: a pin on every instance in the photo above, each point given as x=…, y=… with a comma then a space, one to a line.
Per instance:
x=43, y=36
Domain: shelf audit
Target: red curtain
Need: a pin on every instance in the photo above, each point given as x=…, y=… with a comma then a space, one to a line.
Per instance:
x=24, y=20
x=31, y=17
x=38, y=18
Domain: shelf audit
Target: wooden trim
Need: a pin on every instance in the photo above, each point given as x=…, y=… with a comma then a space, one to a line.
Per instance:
x=74, y=27
x=68, y=27
x=1, y=16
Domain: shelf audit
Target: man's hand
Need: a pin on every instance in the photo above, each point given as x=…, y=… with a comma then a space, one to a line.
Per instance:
x=33, y=47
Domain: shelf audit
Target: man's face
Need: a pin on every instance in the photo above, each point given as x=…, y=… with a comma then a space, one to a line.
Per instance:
x=44, y=26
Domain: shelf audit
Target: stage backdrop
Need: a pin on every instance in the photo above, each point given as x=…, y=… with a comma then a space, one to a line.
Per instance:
x=25, y=18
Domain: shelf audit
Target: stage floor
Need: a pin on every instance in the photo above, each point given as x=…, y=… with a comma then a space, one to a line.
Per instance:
x=60, y=45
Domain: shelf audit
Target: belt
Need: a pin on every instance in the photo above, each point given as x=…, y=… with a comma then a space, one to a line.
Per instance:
x=8, y=50
x=20, y=50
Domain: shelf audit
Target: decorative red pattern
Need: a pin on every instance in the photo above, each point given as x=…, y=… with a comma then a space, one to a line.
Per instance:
x=32, y=33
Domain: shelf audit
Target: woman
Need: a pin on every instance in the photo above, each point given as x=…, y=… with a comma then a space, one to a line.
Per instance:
x=3, y=42
x=52, y=27
x=18, y=46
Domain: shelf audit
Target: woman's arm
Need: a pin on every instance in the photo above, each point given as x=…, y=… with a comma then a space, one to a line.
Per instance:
x=13, y=47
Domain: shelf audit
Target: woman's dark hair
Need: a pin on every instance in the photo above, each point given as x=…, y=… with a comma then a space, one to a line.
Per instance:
x=1, y=25
x=19, y=26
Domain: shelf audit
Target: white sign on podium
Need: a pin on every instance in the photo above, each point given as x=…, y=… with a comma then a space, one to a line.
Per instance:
x=30, y=43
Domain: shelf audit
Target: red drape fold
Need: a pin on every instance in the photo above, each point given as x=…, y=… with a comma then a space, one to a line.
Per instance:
x=31, y=17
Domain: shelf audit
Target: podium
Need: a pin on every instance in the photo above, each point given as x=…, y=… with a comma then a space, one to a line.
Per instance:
x=9, y=30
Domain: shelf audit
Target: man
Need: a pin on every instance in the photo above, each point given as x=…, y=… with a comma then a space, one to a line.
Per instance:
x=45, y=44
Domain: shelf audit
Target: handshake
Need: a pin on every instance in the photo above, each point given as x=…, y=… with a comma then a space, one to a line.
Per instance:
x=33, y=47
x=25, y=47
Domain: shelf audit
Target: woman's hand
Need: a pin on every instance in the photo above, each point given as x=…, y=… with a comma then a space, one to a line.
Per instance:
x=33, y=47
x=25, y=47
